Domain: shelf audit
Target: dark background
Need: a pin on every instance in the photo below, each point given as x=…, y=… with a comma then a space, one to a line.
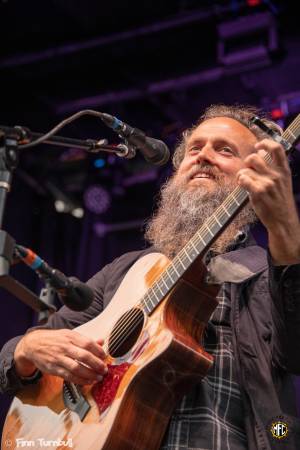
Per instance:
x=156, y=65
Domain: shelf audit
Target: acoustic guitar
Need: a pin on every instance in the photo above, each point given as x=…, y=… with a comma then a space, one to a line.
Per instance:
x=152, y=342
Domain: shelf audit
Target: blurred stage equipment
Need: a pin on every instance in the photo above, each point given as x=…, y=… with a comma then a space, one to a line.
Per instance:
x=247, y=41
x=153, y=150
x=14, y=139
x=102, y=229
x=72, y=292
x=63, y=203
x=282, y=106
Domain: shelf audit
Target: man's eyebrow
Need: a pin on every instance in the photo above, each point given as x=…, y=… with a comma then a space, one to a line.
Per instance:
x=195, y=141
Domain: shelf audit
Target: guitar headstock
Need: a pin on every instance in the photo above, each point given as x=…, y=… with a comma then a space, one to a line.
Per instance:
x=289, y=137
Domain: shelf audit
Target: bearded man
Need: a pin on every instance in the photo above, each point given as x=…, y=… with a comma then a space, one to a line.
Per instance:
x=253, y=334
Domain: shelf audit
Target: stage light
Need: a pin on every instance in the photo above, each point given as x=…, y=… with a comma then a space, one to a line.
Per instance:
x=97, y=199
x=60, y=206
x=99, y=163
x=277, y=113
x=63, y=203
x=78, y=213
x=253, y=3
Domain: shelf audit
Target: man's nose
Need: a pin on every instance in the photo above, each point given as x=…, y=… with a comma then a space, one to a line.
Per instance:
x=206, y=153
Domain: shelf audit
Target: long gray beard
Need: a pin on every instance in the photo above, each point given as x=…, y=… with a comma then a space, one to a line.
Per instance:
x=182, y=212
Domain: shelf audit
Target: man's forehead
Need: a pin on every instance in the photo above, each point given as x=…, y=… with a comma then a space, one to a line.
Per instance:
x=225, y=126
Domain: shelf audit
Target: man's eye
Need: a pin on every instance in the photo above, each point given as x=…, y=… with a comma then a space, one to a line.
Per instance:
x=226, y=149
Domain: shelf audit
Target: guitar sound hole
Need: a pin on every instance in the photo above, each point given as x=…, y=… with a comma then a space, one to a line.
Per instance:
x=126, y=332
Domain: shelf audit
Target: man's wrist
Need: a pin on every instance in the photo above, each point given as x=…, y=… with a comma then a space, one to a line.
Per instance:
x=28, y=379
x=284, y=249
x=23, y=366
x=31, y=379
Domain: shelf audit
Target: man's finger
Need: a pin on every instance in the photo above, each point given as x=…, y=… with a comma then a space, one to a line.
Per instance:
x=276, y=151
x=79, y=370
x=88, y=344
x=87, y=358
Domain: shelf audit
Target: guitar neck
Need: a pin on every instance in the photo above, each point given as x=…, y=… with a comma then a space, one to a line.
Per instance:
x=206, y=235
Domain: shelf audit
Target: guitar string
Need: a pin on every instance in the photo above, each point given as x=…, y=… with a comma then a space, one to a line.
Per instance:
x=293, y=126
x=131, y=314
x=134, y=312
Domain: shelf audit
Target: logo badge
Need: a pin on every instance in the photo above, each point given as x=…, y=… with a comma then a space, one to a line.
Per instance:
x=279, y=429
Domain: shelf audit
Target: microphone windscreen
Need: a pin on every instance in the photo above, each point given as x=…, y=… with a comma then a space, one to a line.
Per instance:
x=79, y=296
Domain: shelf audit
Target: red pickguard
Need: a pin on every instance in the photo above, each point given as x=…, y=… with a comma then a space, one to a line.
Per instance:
x=105, y=391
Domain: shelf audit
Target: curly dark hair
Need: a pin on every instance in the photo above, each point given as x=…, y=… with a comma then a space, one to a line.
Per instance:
x=241, y=113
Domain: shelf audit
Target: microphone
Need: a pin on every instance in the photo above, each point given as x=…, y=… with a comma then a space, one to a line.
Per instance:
x=153, y=150
x=72, y=292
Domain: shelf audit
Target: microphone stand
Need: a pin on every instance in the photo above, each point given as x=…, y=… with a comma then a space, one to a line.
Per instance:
x=9, y=157
x=25, y=136
x=10, y=138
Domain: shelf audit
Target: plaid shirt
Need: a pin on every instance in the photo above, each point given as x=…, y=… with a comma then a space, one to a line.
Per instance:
x=210, y=417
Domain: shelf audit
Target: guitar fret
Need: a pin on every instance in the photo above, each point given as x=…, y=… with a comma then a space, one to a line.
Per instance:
x=203, y=241
x=193, y=245
x=157, y=298
x=174, y=268
x=163, y=293
x=145, y=302
x=179, y=259
x=170, y=275
x=226, y=211
x=163, y=280
x=207, y=227
x=190, y=251
x=150, y=299
x=187, y=255
x=216, y=219
x=235, y=200
x=291, y=133
x=148, y=309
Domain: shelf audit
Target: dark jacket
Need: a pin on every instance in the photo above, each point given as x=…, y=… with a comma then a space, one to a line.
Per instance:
x=266, y=335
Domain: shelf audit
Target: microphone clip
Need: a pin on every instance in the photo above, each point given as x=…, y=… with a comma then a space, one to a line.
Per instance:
x=126, y=150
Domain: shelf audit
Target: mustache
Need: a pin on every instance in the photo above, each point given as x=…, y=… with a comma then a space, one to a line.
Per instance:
x=204, y=168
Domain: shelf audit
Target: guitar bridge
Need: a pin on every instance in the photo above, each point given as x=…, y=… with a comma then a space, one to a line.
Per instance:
x=74, y=400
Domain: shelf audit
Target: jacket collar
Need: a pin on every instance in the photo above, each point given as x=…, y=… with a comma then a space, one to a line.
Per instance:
x=239, y=265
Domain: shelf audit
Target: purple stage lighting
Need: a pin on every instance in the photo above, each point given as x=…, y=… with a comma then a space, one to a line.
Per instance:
x=97, y=199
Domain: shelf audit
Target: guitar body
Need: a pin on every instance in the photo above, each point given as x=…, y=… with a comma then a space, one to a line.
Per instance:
x=130, y=409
